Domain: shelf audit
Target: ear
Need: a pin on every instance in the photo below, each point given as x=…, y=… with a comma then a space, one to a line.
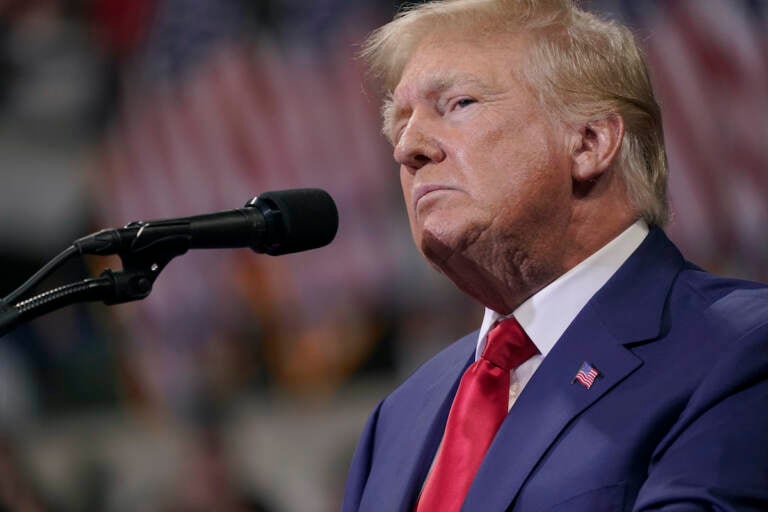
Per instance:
x=598, y=145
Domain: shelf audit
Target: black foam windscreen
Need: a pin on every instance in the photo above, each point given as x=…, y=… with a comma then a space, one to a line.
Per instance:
x=307, y=218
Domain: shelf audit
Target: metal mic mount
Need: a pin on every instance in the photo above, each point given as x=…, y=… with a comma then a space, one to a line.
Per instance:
x=134, y=282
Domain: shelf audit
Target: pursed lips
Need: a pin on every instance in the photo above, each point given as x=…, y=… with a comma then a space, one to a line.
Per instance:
x=421, y=191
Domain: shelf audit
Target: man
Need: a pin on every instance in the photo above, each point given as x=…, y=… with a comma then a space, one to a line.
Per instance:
x=533, y=169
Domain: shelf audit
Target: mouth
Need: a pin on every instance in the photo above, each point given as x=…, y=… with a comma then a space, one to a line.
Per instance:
x=422, y=191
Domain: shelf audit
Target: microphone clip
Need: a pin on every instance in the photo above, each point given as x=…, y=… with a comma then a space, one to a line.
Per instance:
x=140, y=270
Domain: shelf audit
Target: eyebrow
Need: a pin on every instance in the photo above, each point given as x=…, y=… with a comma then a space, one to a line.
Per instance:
x=433, y=86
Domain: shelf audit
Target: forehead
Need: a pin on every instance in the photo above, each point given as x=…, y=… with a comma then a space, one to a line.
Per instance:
x=442, y=60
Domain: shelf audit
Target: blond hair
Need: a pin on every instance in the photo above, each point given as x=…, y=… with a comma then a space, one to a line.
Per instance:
x=581, y=66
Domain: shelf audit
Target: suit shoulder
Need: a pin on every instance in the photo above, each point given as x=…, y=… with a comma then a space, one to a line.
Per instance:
x=737, y=305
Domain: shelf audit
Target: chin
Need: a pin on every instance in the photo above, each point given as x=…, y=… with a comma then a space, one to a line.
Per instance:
x=434, y=249
x=440, y=245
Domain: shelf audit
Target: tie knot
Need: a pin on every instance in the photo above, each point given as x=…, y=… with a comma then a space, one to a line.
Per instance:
x=508, y=346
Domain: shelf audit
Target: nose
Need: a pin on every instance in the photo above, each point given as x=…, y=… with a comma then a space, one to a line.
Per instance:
x=418, y=146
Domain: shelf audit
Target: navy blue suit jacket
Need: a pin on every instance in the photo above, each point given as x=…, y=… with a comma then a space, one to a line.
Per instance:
x=678, y=421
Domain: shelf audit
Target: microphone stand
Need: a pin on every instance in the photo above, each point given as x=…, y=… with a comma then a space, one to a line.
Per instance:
x=134, y=282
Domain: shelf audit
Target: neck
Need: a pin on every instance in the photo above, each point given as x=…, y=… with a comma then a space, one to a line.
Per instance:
x=503, y=276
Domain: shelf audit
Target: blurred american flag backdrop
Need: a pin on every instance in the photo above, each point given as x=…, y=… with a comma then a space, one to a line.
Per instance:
x=214, y=111
x=709, y=62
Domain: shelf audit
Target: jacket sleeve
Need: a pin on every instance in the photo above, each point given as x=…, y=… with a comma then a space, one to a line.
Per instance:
x=361, y=465
x=715, y=458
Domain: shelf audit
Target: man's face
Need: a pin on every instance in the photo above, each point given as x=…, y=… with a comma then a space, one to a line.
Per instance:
x=485, y=173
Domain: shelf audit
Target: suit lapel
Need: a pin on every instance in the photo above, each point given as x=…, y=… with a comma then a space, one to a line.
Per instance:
x=628, y=309
x=411, y=440
x=546, y=406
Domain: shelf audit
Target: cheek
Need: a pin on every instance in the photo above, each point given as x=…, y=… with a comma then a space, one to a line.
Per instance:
x=526, y=183
x=532, y=160
x=406, y=182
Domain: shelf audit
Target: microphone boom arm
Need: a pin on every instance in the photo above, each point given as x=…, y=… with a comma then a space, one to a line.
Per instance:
x=275, y=223
x=140, y=269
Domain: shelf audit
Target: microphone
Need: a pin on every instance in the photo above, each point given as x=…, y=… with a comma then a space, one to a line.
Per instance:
x=275, y=223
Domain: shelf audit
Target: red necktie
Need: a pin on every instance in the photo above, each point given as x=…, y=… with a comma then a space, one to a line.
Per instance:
x=480, y=405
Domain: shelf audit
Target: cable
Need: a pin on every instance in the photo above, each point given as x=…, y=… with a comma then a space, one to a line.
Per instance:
x=41, y=274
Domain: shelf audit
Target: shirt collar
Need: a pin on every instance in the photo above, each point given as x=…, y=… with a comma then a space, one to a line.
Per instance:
x=547, y=314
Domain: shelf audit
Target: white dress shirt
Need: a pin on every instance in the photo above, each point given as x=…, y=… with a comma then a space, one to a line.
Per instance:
x=547, y=314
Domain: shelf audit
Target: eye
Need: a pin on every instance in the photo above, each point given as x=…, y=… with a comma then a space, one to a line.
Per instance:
x=462, y=103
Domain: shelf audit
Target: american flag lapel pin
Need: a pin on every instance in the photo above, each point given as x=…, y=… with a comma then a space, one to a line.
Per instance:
x=586, y=375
